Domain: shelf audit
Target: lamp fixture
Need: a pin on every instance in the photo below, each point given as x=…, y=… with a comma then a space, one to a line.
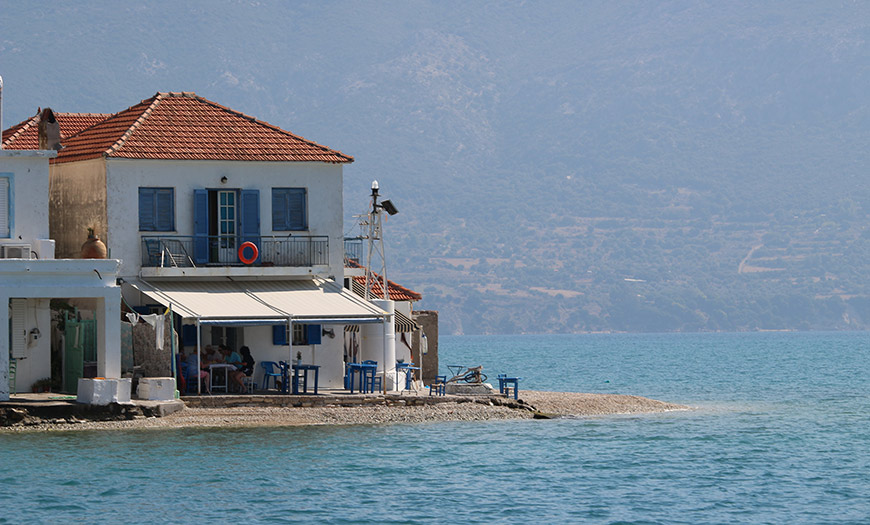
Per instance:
x=330, y=332
x=224, y=179
x=389, y=207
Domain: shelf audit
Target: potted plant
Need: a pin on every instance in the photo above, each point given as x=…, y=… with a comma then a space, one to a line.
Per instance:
x=41, y=385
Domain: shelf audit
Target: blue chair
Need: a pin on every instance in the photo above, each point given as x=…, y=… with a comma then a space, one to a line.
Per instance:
x=190, y=379
x=369, y=375
x=375, y=384
x=438, y=386
x=505, y=384
x=270, y=370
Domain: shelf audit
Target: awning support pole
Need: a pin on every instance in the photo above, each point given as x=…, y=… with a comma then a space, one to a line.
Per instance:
x=198, y=360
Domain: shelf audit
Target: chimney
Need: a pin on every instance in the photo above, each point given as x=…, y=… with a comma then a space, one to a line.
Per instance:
x=49, y=131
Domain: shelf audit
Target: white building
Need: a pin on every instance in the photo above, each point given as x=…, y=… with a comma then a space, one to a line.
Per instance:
x=30, y=277
x=234, y=223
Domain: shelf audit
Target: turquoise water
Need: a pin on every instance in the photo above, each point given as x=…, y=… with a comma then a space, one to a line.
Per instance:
x=779, y=435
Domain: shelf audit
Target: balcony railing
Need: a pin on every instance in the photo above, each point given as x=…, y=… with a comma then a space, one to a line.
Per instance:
x=353, y=250
x=191, y=251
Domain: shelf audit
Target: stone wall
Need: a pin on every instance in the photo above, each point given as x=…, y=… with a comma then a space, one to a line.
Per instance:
x=428, y=320
x=153, y=362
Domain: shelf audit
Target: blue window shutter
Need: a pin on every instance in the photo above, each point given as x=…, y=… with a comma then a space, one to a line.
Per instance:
x=249, y=216
x=289, y=209
x=296, y=213
x=164, y=209
x=314, y=334
x=279, y=334
x=156, y=209
x=146, y=209
x=279, y=209
x=200, y=226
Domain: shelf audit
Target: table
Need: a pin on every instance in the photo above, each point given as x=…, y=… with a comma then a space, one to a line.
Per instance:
x=407, y=368
x=211, y=372
x=364, y=370
x=301, y=372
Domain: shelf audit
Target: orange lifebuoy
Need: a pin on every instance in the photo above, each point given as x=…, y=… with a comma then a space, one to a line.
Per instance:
x=254, y=250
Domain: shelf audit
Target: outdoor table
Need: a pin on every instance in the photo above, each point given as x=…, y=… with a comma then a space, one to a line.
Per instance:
x=301, y=372
x=364, y=370
x=407, y=368
x=211, y=372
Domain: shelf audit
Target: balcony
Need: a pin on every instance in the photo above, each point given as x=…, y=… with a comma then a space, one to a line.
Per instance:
x=353, y=250
x=169, y=255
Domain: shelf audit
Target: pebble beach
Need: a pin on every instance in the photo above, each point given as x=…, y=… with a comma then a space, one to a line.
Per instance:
x=542, y=404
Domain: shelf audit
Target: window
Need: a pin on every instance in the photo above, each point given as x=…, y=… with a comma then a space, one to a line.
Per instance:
x=289, y=210
x=303, y=334
x=5, y=207
x=156, y=209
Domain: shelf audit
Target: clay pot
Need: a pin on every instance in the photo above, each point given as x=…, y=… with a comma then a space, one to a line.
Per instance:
x=93, y=248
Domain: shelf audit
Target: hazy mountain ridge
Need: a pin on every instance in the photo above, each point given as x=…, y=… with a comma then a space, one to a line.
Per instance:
x=558, y=166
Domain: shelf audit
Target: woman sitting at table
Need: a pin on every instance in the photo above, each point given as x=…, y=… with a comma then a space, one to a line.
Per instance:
x=244, y=364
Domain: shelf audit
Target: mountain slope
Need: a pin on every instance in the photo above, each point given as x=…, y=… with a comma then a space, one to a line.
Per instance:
x=558, y=166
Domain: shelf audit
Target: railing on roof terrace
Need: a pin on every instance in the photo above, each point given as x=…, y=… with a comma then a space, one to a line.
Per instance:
x=353, y=250
x=191, y=251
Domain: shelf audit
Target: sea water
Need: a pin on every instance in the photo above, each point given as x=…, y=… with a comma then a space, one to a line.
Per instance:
x=779, y=433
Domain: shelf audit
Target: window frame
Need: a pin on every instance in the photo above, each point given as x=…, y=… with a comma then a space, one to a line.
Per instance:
x=155, y=225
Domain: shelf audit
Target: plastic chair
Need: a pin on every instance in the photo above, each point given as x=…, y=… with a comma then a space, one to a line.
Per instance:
x=269, y=372
x=190, y=381
x=248, y=381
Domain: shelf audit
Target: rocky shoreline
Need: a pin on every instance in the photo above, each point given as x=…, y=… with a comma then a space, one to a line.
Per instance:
x=532, y=404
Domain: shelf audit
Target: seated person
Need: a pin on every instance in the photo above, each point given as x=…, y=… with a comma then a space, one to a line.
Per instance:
x=193, y=366
x=245, y=366
x=213, y=355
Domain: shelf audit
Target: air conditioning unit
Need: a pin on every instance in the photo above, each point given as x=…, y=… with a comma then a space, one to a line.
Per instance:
x=16, y=251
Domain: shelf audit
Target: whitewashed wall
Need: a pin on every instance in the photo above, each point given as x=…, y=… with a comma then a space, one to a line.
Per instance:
x=29, y=194
x=125, y=176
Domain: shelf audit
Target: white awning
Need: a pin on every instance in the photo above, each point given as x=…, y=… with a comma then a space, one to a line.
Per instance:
x=261, y=302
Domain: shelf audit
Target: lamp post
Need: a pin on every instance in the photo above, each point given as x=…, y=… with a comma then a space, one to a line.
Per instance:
x=376, y=240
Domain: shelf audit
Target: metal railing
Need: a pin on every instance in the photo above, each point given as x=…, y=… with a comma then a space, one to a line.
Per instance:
x=191, y=251
x=353, y=250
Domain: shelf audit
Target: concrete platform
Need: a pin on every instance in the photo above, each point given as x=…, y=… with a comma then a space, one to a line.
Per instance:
x=51, y=406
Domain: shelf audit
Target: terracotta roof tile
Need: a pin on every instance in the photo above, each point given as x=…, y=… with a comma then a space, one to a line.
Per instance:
x=396, y=291
x=25, y=135
x=183, y=126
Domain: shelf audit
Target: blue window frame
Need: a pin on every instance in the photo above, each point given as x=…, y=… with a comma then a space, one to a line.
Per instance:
x=289, y=209
x=156, y=209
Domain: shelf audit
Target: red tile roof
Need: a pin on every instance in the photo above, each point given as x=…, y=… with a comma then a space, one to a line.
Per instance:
x=25, y=135
x=183, y=126
x=396, y=291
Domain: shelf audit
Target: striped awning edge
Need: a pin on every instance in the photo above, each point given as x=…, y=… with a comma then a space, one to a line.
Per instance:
x=402, y=322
